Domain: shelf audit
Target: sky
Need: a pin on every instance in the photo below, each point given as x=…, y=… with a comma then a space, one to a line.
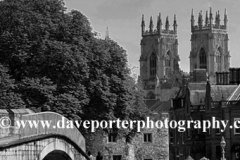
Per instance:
x=123, y=19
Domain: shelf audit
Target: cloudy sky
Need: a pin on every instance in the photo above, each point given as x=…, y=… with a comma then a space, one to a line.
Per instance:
x=123, y=18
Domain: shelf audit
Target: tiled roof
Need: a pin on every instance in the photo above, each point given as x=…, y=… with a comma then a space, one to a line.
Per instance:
x=150, y=102
x=235, y=94
x=161, y=106
x=217, y=91
x=196, y=96
x=197, y=86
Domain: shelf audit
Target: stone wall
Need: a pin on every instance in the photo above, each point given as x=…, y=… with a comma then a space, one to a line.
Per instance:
x=158, y=149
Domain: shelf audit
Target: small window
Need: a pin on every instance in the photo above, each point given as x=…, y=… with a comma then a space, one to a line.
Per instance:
x=147, y=137
x=117, y=157
x=209, y=131
x=112, y=137
x=171, y=138
x=189, y=132
x=237, y=130
x=218, y=130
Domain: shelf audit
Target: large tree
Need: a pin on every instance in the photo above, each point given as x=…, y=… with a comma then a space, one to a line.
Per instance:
x=58, y=64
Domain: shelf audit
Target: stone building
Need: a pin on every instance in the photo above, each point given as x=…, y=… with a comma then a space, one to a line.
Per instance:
x=149, y=144
x=209, y=45
x=201, y=100
x=214, y=91
x=159, y=56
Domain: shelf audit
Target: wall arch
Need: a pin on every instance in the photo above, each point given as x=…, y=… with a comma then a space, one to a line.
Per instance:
x=153, y=64
x=203, y=58
x=56, y=145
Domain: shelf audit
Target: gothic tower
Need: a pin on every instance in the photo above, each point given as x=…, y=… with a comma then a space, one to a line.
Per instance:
x=159, y=55
x=209, y=45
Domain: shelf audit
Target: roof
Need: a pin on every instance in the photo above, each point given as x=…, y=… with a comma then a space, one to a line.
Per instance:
x=3, y=111
x=197, y=86
x=150, y=102
x=198, y=92
x=219, y=91
x=197, y=96
x=161, y=106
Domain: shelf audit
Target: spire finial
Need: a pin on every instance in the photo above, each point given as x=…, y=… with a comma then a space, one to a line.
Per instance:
x=167, y=24
x=175, y=24
x=151, y=24
x=107, y=34
x=143, y=25
x=225, y=18
x=200, y=20
x=206, y=20
x=159, y=23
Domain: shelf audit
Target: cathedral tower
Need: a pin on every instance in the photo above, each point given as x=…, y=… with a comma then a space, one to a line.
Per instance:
x=209, y=45
x=159, y=54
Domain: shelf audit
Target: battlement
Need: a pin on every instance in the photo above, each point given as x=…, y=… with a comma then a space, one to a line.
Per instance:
x=208, y=27
x=156, y=32
x=159, y=29
x=208, y=24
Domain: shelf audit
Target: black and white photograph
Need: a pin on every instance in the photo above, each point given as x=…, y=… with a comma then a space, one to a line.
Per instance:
x=119, y=80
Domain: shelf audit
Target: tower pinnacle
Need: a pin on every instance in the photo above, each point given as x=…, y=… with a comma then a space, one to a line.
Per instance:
x=225, y=18
x=159, y=23
x=206, y=20
x=192, y=21
x=151, y=25
x=167, y=24
x=107, y=35
x=143, y=25
x=175, y=24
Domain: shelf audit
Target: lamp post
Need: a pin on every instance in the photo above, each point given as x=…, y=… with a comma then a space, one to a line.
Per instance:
x=223, y=145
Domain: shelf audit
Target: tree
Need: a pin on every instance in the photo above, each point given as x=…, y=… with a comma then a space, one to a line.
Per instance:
x=8, y=99
x=58, y=64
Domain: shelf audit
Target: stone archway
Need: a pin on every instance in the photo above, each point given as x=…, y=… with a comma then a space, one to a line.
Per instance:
x=57, y=149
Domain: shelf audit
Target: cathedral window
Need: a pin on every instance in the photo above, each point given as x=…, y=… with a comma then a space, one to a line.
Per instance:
x=203, y=59
x=168, y=63
x=167, y=60
x=219, y=59
x=153, y=65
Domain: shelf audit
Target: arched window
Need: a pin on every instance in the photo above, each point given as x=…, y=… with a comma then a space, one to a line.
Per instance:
x=153, y=65
x=168, y=60
x=219, y=59
x=168, y=63
x=203, y=59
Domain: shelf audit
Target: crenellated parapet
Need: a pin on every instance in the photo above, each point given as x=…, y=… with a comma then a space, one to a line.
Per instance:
x=159, y=30
x=210, y=23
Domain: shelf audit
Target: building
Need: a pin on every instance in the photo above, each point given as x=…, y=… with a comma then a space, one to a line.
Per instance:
x=159, y=59
x=209, y=45
x=213, y=91
x=149, y=144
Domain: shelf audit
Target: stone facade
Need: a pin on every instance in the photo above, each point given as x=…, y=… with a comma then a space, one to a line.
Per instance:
x=159, y=54
x=138, y=149
x=209, y=45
